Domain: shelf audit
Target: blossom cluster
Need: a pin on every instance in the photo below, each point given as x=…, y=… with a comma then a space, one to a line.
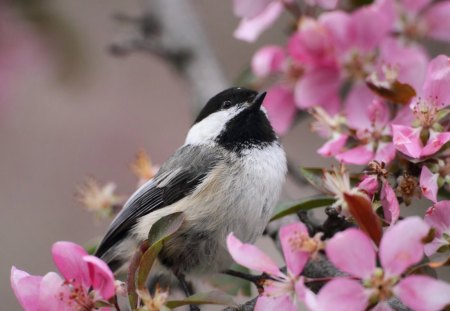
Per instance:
x=379, y=99
x=367, y=284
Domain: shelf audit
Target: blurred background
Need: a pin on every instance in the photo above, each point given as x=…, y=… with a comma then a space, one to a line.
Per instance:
x=70, y=109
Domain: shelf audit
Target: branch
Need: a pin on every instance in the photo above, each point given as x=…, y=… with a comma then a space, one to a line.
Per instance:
x=170, y=29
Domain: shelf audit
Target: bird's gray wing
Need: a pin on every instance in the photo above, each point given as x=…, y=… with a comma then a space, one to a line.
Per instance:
x=177, y=178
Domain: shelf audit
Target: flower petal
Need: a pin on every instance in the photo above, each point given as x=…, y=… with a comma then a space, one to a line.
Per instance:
x=438, y=217
x=26, y=288
x=402, y=245
x=318, y=87
x=68, y=257
x=268, y=60
x=54, y=296
x=311, y=44
x=435, y=143
x=251, y=256
x=410, y=61
x=423, y=293
x=359, y=155
x=341, y=294
x=437, y=19
x=437, y=80
x=295, y=259
x=101, y=278
x=283, y=302
x=428, y=184
x=385, y=152
x=333, y=146
x=352, y=251
x=369, y=184
x=281, y=108
x=357, y=107
x=389, y=202
x=407, y=140
x=250, y=28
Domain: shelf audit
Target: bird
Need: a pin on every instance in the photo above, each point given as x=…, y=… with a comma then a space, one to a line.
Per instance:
x=226, y=177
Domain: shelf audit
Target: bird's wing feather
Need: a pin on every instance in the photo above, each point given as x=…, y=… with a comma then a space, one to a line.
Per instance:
x=178, y=177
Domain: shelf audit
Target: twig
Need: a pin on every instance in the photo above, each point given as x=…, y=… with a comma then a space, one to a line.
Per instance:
x=171, y=30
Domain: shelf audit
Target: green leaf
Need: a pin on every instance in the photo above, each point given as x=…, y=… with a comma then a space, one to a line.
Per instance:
x=146, y=264
x=165, y=227
x=302, y=205
x=131, y=277
x=160, y=231
x=210, y=298
x=233, y=285
x=314, y=175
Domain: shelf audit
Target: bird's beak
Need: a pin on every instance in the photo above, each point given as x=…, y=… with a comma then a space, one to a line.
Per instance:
x=257, y=101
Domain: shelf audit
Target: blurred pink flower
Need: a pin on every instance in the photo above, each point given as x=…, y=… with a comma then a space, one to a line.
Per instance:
x=438, y=217
x=257, y=16
x=286, y=290
x=354, y=35
x=401, y=247
x=419, y=18
x=391, y=207
x=407, y=62
x=434, y=96
x=280, y=107
x=86, y=280
x=407, y=140
x=268, y=60
x=311, y=44
x=371, y=124
x=429, y=184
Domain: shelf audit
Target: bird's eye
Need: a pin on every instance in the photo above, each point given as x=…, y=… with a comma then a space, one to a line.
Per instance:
x=227, y=104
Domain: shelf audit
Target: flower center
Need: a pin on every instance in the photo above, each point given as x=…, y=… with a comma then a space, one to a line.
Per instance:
x=425, y=112
x=77, y=297
x=302, y=242
x=381, y=286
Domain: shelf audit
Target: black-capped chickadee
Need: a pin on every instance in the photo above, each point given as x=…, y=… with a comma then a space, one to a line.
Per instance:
x=227, y=177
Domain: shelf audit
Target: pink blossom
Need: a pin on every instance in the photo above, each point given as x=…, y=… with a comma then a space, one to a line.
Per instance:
x=407, y=62
x=312, y=44
x=421, y=18
x=401, y=247
x=391, y=208
x=407, y=140
x=286, y=289
x=256, y=16
x=280, y=107
x=268, y=60
x=85, y=280
x=354, y=36
x=371, y=123
x=388, y=198
x=318, y=87
x=333, y=146
x=438, y=217
x=434, y=96
x=428, y=184
x=369, y=184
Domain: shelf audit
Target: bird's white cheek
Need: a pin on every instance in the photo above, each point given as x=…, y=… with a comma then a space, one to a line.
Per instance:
x=209, y=128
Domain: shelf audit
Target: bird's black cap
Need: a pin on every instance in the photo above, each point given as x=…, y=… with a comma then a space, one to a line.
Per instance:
x=226, y=99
